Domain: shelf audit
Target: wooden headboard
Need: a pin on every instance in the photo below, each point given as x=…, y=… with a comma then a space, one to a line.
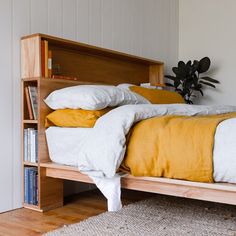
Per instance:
x=88, y=63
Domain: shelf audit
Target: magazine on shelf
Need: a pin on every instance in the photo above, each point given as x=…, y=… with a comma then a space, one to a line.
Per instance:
x=34, y=100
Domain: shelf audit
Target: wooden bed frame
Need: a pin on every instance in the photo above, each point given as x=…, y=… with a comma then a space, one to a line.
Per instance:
x=93, y=65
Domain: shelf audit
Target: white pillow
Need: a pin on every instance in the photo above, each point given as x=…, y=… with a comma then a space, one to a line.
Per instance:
x=92, y=97
x=124, y=86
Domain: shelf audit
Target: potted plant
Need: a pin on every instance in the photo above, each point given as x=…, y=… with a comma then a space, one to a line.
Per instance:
x=187, y=78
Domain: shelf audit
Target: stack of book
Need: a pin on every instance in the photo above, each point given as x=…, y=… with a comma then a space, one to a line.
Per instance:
x=46, y=60
x=31, y=185
x=31, y=100
x=31, y=145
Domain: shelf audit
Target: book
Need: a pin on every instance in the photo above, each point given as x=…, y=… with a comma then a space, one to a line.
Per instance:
x=26, y=190
x=46, y=57
x=49, y=63
x=43, y=58
x=28, y=103
x=34, y=187
x=31, y=145
x=25, y=145
x=37, y=189
x=31, y=185
x=30, y=179
x=65, y=77
x=32, y=137
x=28, y=145
x=36, y=145
x=34, y=100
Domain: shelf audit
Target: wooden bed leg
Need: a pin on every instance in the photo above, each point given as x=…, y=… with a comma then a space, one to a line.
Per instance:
x=51, y=192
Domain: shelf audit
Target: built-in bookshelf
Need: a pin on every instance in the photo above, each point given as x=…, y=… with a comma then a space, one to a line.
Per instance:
x=49, y=63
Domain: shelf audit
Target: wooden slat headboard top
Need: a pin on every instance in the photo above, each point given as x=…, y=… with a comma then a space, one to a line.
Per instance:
x=90, y=63
x=92, y=49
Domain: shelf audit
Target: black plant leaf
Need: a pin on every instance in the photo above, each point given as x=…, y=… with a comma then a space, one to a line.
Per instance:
x=170, y=85
x=187, y=78
x=170, y=77
x=201, y=91
x=204, y=65
x=208, y=84
x=209, y=79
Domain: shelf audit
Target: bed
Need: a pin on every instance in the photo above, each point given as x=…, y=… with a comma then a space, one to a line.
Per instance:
x=93, y=155
x=66, y=146
x=127, y=69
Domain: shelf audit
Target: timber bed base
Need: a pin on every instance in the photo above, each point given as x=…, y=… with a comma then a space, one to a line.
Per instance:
x=88, y=64
x=214, y=192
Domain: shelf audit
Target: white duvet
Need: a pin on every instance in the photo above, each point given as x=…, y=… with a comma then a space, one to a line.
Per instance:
x=99, y=151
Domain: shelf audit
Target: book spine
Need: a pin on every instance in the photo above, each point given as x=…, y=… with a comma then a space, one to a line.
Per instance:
x=28, y=103
x=28, y=144
x=33, y=94
x=33, y=146
x=25, y=145
x=46, y=58
x=32, y=100
x=31, y=177
x=26, y=193
x=65, y=77
x=37, y=189
x=50, y=64
x=36, y=145
x=43, y=58
x=34, y=187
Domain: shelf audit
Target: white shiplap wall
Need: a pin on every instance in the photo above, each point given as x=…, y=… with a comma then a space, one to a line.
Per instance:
x=213, y=35
x=146, y=28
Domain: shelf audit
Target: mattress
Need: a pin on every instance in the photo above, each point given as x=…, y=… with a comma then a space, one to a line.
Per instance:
x=63, y=144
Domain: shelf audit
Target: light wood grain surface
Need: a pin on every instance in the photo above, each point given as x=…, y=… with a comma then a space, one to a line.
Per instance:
x=31, y=223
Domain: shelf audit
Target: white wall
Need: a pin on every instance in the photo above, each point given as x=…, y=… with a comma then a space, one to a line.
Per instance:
x=142, y=27
x=207, y=28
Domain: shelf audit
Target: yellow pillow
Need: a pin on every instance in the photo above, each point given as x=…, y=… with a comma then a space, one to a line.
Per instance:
x=157, y=96
x=74, y=118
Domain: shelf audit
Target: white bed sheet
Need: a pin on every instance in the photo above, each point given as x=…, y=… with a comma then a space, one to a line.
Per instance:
x=62, y=142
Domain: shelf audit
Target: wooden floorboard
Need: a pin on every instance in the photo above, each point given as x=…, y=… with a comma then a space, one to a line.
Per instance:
x=77, y=208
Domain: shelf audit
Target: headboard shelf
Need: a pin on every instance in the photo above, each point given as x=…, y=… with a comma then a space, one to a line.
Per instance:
x=88, y=63
x=90, y=49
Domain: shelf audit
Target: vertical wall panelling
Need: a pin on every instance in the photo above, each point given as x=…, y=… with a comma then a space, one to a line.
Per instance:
x=106, y=23
x=119, y=26
x=148, y=29
x=82, y=21
x=39, y=16
x=140, y=27
x=20, y=26
x=6, y=147
x=127, y=8
x=69, y=19
x=135, y=27
x=55, y=17
x=215, y=38
x=173, y=35
x=95, y=22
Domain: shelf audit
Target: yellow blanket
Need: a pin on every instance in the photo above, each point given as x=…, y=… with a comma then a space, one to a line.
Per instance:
x=179, y=147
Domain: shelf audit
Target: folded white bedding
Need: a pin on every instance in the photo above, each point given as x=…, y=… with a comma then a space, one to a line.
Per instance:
x=62, y=142
x=99, y=151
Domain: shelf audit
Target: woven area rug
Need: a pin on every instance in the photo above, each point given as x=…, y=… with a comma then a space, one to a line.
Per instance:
x=161, y=215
